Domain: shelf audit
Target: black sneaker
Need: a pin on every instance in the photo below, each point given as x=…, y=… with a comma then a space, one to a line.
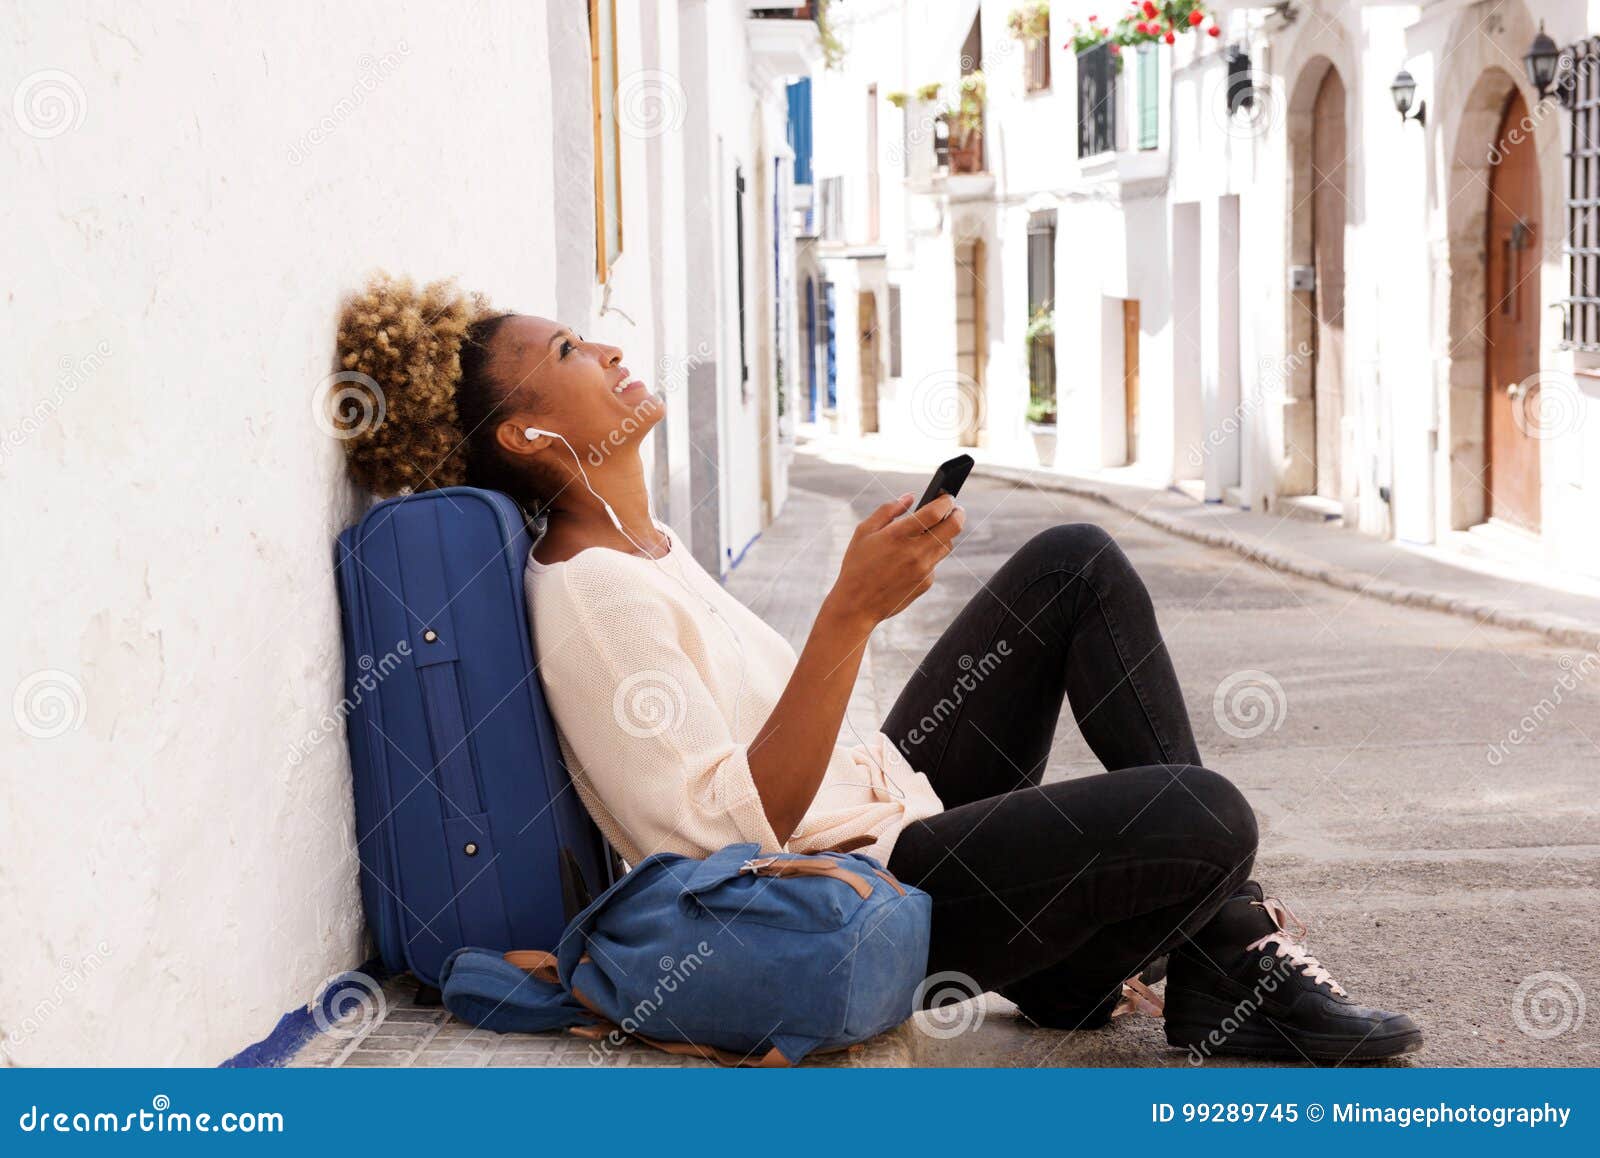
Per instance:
x=1244, y=985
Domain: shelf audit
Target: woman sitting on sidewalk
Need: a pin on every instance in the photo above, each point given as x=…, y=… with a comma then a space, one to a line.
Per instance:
x=689, y=724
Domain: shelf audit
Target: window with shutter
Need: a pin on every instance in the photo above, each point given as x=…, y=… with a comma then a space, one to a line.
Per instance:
x=1149, y=90
x=1097, y=105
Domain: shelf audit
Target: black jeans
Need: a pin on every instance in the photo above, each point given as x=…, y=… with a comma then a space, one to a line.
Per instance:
x=1053, y=894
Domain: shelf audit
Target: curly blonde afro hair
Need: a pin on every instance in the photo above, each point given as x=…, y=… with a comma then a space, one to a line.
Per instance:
x=405, y=343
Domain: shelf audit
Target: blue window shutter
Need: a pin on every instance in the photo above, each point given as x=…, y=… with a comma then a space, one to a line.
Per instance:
x=800, y=129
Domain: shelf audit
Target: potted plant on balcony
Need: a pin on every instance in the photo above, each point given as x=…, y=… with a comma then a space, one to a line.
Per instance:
x=1145, y=22
x=1030, y=24
x=1030, y=21
x=964, y=119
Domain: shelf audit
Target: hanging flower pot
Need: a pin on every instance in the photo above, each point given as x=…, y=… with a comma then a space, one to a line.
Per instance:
x=1146, y=22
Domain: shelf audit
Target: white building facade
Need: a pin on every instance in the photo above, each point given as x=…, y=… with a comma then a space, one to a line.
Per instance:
x=1229, y=264
x=191, y=194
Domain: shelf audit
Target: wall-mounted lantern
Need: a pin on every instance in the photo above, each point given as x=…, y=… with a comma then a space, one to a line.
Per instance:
x=1241, y=91
x=1545, y=72
x=1404, y=91
x=1541, y=62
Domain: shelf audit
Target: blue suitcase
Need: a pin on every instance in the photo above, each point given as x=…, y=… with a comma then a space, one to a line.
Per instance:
x=468, y=829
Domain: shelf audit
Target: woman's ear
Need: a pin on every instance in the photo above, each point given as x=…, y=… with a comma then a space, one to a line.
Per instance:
x=520, y=438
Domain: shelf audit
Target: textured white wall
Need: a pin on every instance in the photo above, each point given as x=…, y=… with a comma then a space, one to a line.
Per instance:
x=222, y=174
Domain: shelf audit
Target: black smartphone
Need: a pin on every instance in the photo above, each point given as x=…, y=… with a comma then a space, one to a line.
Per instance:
x=947, y=479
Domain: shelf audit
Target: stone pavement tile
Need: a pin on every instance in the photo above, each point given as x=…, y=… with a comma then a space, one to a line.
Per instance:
x=407, y=1036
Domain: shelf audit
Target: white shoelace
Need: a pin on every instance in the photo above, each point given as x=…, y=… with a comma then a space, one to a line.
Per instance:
x=1288, y=947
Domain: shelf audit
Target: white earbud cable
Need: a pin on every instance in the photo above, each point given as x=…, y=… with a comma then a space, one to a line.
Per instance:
x=533, y=432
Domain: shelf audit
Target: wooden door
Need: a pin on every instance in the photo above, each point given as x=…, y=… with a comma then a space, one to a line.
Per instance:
x=1328, y=205
x=1512, y=326
x=867, y=316
x=970, y=342
x=1130, y=376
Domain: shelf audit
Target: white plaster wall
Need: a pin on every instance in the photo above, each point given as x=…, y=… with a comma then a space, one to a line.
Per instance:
x=168, y=523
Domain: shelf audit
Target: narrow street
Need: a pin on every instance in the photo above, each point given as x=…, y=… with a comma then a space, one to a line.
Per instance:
x=1445, y=853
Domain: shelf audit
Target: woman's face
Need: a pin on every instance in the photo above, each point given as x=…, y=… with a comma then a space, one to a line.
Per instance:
x=577, y=389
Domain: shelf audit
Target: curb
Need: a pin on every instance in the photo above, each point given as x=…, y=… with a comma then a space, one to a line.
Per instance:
x=1557, y=628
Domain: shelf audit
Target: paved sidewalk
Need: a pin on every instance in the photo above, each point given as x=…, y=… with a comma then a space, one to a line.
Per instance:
x=390, y=1030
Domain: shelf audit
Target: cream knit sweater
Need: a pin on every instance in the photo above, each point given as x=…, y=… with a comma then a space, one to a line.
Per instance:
x=644, y=680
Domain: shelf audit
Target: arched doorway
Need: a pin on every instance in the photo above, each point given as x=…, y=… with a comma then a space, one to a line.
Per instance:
x=1328, y=202
x=1511, y=323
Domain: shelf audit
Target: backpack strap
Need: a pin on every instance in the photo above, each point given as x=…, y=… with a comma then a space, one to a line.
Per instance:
x=772, y=866
x=773, y=1059
x=537, y=962
x=485, y=989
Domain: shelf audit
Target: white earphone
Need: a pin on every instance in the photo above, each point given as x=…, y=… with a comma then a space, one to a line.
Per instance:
x=533, y=432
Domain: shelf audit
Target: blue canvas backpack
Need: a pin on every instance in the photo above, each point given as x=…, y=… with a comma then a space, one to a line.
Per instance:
x=740, y=958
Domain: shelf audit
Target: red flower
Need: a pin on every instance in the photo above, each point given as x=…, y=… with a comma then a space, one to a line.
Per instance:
x=1139, y=28
x=1195, y=17
x=1094, y=19
x=1116, y=49
x=1169, y=38
x=1213, y=31
x=1149, y=10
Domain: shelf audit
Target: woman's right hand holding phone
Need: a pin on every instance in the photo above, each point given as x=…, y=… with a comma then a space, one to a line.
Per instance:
x=891, y=558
